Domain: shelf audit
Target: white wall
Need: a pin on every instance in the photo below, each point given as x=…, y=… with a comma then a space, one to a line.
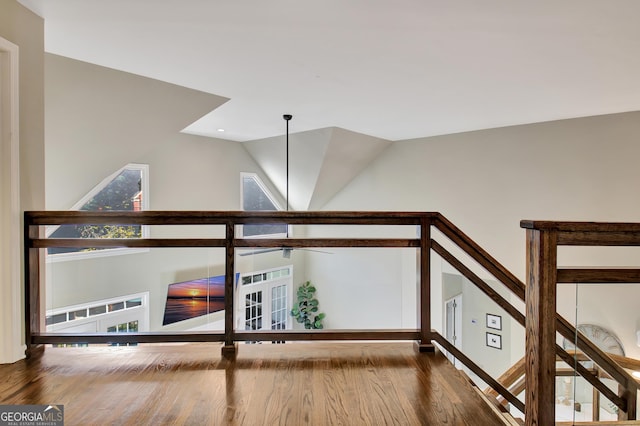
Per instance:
x=98, y=120
x=24, y=29
x=487, y=181
x=484, y=181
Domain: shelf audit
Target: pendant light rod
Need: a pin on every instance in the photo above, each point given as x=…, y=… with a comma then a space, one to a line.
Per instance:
x=287, y=117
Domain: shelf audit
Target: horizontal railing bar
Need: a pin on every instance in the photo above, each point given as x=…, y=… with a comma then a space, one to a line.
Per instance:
x=326, y=242
x=570, y=372
x=600, y=423
x=509, y=377
x=598, y=275
x=600, y=227
x=213, y=242
x=151, y=217
x=141, y=337
x=263, y=335
x=626, y=362
x=478, y=371
x=126, y=242
x=591, y=378
x=593, y=352
x=479, y=282
x=294, y=335
x=598, y=239
x=480, y=255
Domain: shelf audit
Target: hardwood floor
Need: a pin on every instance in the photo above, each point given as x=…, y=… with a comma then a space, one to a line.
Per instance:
x=290, y=384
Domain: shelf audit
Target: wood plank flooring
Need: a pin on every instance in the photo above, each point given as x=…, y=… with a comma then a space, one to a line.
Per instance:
x=292, y=384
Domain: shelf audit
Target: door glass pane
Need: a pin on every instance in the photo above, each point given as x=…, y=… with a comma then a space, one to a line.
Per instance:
x=279, y=307
x=253, y=311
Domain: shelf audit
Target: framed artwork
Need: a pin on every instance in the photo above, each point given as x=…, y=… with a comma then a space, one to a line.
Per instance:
x=494, y=321
x=494, y=340
x=194, y=298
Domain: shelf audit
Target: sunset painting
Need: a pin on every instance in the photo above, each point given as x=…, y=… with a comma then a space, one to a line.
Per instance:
x=190, y=299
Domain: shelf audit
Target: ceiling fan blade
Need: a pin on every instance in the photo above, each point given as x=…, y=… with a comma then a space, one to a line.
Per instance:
x=316, y=251
x=253, y=252
x=286, y=251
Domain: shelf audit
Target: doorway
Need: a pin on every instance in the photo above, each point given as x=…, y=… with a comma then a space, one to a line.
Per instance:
x=264, y=299
x=453, y=325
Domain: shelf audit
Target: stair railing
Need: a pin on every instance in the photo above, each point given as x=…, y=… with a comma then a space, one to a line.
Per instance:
x=540, y=323
x=625, y=402
x=542, y=320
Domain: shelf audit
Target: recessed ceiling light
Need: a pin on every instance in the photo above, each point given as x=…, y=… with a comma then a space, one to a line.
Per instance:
x=221, y=130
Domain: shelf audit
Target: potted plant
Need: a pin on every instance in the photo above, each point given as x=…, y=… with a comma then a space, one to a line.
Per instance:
x=307, y=310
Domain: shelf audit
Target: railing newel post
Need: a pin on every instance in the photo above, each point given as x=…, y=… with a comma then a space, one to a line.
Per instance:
x=229, y=348
x=33, y=288
x=540, y=328
x=630, y=396
x=424, y=285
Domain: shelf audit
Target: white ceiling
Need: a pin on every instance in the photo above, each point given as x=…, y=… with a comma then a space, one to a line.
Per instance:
x=391, y=69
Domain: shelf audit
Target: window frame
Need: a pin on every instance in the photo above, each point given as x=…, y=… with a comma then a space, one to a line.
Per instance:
x=271, y=198
x=138, y=312
x=108, y=252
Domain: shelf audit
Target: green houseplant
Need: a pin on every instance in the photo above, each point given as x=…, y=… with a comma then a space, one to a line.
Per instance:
x=307, y=310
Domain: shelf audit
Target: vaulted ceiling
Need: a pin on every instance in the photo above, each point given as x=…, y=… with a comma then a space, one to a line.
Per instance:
x=392, y=70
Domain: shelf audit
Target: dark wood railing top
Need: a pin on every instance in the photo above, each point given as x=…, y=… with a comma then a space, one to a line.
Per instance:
x=480, y=255
x=588, y=233
x=158, y=217
x=548, y=225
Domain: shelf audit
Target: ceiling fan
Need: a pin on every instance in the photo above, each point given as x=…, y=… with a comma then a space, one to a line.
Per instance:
x=286, y=251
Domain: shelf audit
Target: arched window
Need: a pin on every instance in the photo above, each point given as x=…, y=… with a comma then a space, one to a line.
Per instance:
x=124, y=190
x=256, y=197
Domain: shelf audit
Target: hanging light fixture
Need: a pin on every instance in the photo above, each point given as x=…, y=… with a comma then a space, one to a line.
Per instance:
x=287, y=118
x=286, y=251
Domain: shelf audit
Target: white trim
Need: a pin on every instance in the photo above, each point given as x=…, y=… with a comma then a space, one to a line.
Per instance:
x=11, y=332
x=104, y=320
x=63, y=257
x=144, y=169
x=262, y=186
x=81, y=255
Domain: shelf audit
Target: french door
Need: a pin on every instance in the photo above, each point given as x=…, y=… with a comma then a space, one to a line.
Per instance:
x=264, y=299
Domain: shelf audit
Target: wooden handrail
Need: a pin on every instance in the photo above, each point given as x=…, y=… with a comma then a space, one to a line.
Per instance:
x=477, y=370
x=218, y=336
x=598, y=275
x=591, y=378
x=626, y=362
x=509, y=377
x=601, y=358
x=510, y=281
x=172, y=217
x=480, y=255
x=502, y=274
x=218, y=242
x=228, y=221
x=568, y=233
x=623, y=361
x=479, y=282
x=577, y=227
x=512, y=378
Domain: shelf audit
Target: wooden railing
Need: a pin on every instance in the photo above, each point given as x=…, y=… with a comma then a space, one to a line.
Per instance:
x=35, y=330
x=626, y=401
x=424, y=243
x=542, y=320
